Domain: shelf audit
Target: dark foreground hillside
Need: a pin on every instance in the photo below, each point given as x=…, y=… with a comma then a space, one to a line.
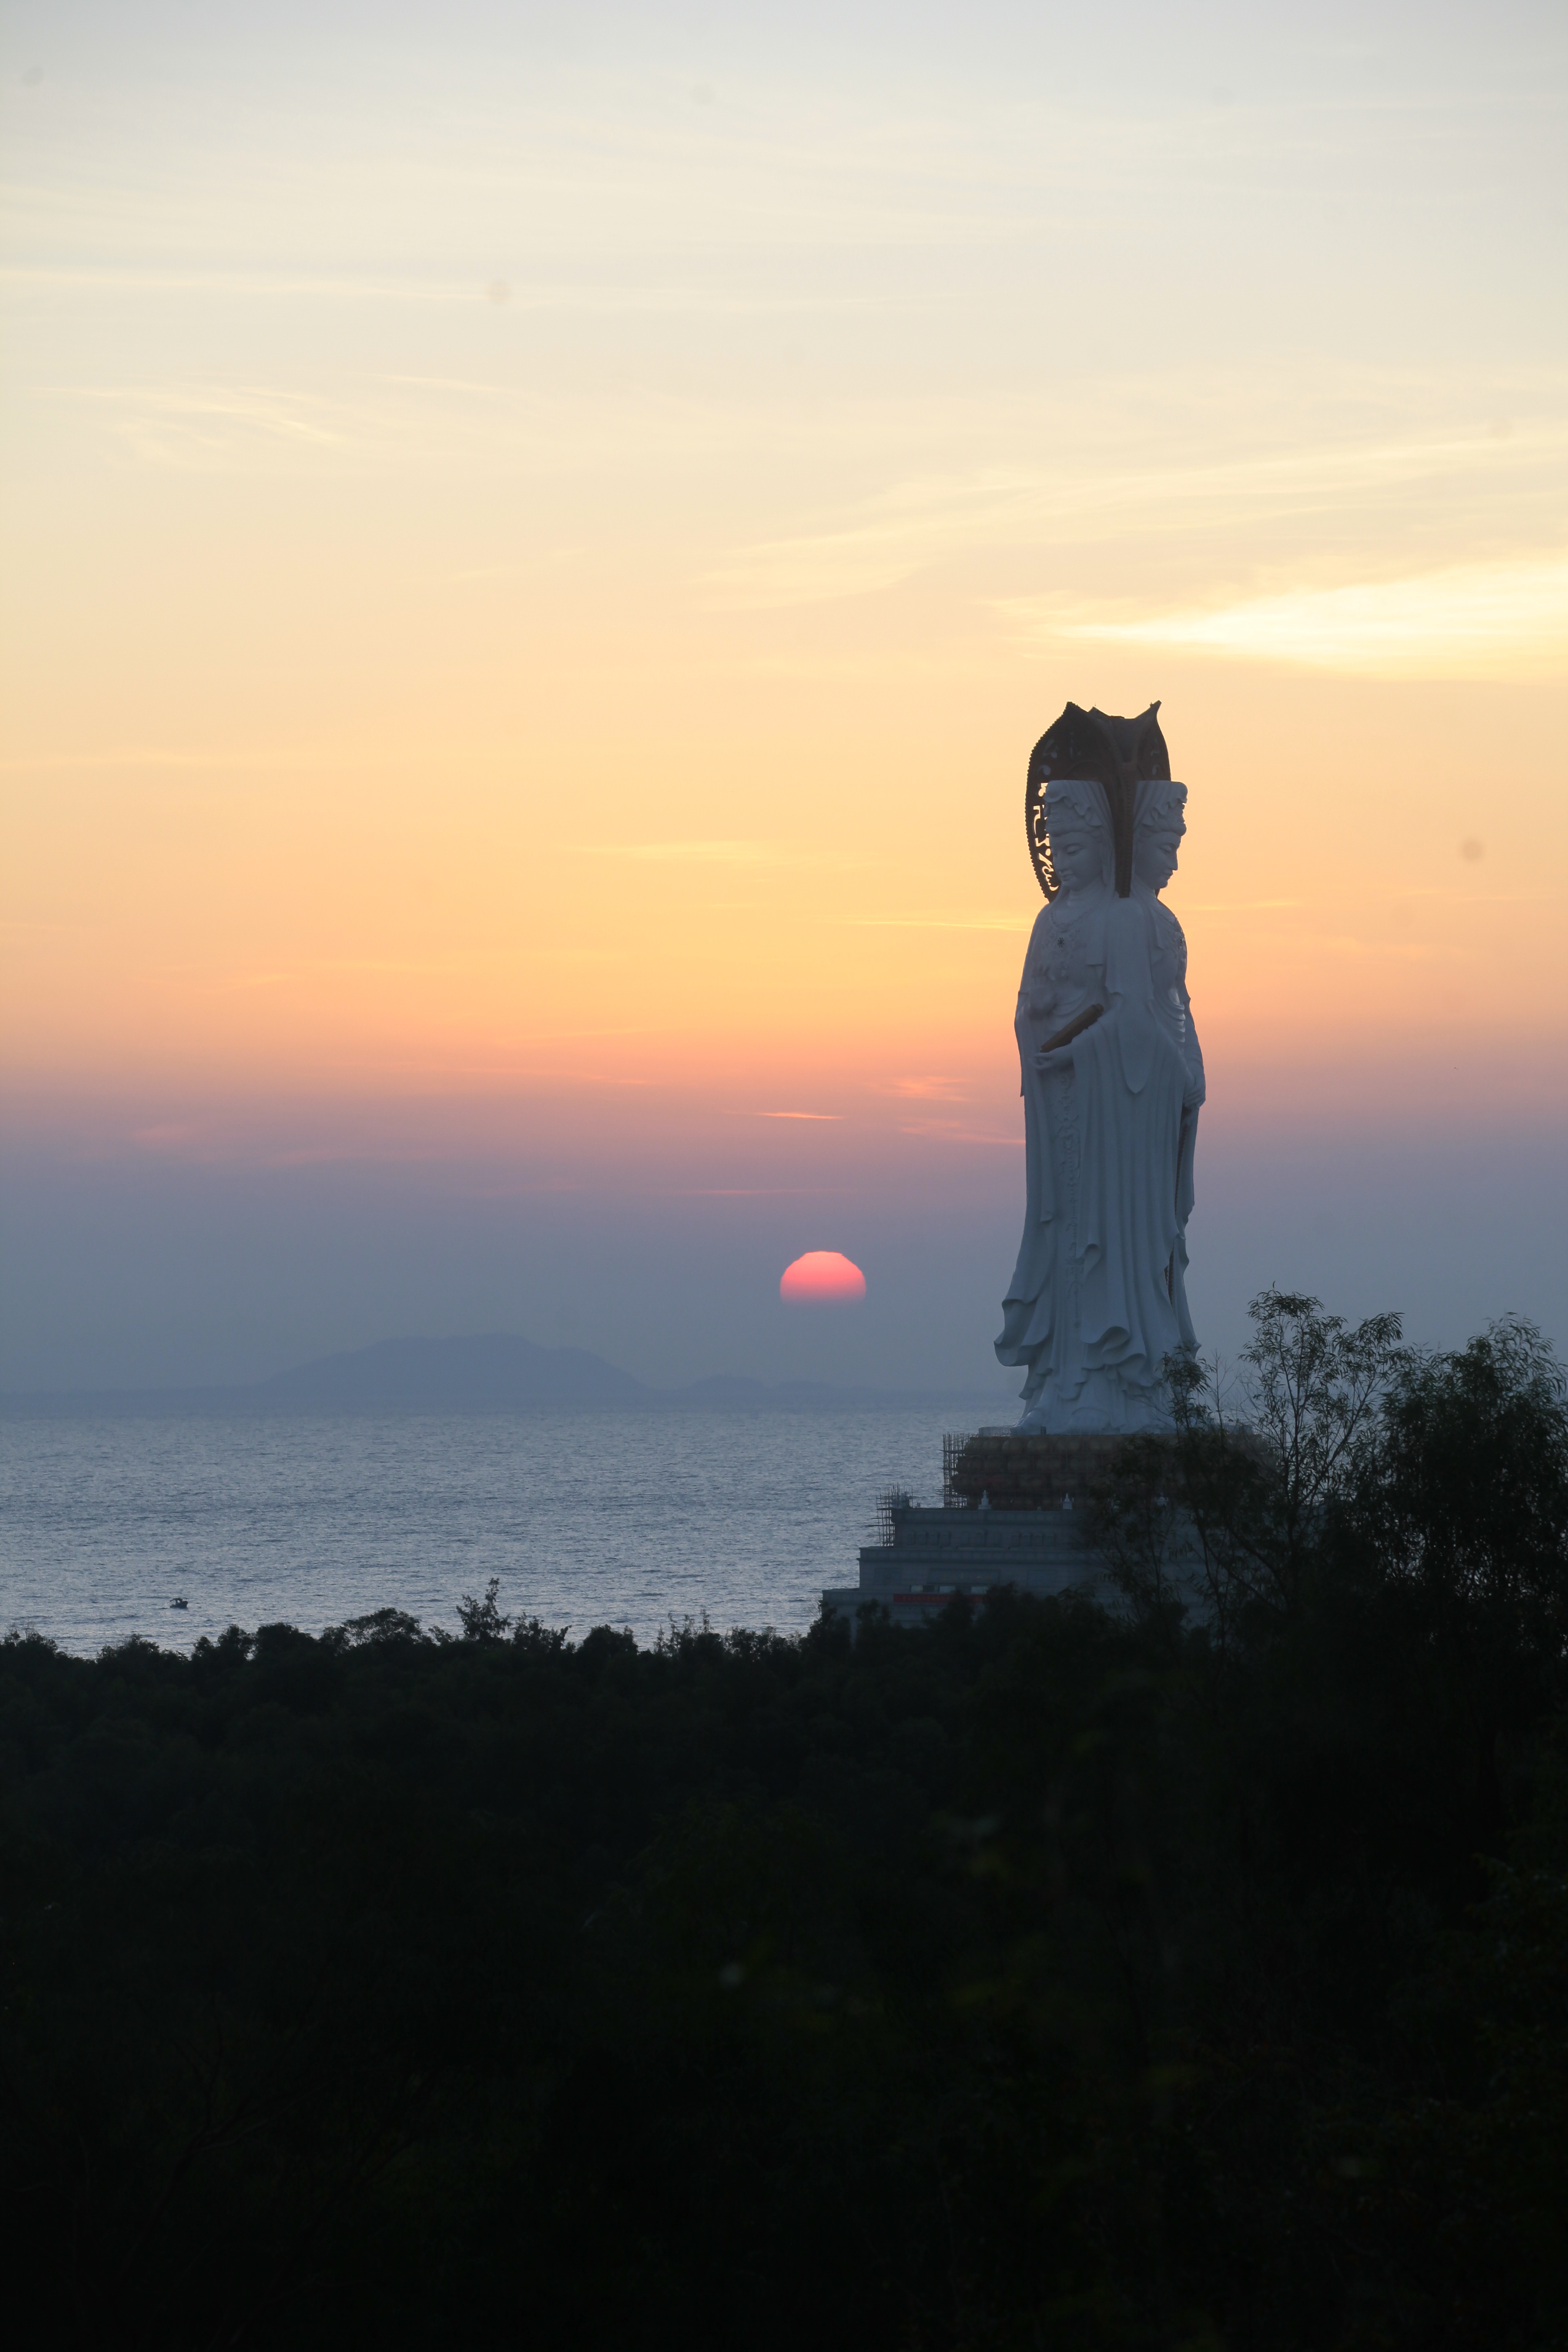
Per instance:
x=1043, y=1978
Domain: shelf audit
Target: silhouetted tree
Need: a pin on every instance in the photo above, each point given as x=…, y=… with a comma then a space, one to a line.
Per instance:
x=1462, y=1505
x=482, y=1620
x=1237, y=1502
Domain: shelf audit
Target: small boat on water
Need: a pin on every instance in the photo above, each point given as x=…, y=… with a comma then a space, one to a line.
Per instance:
x=179, y=1602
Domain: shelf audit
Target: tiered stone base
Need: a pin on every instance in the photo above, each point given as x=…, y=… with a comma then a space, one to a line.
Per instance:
x=1016, y=1511
x=1020, y=1511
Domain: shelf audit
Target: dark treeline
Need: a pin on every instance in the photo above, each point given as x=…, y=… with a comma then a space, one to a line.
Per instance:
x=1192, y=1973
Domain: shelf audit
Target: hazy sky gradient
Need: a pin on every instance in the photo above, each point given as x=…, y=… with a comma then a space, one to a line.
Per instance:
x=539, y=541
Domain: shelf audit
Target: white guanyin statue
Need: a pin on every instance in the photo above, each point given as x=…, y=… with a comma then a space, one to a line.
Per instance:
x=1113, y=1080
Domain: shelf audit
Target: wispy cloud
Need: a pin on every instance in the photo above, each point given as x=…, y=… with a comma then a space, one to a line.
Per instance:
x=202, y=427
x=1012, y=922
x=926, y=1089
x=1475, y=620
x=916, y=523
x=798, y=1114
x=140, y=756
x=948, y=1132
x=683, y=852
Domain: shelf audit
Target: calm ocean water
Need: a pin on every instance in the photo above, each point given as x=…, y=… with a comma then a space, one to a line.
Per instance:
x=588, y=1519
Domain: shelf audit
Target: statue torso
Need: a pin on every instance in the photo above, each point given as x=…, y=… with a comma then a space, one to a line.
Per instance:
x=1168, y=969
x=1064, y=972
x=1168, y=972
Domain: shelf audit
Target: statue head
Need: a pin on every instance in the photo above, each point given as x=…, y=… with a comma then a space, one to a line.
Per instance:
x=1118, y=754
x=1078, y=827
x=1157, y=830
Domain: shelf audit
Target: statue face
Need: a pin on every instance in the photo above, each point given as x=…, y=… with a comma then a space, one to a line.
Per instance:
x=1156, y=844
x=1078, y=855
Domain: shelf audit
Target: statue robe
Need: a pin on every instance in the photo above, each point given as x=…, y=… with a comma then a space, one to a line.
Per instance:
x=1098, y=1298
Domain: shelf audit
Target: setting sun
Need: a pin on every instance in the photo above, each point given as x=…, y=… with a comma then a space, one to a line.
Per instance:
x=821, y=1273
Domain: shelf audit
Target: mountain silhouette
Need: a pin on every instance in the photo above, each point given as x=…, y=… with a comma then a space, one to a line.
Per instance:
x=494, y=1368
x=487, y=1371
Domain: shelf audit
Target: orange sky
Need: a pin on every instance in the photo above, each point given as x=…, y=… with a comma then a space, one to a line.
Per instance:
x=533, y=574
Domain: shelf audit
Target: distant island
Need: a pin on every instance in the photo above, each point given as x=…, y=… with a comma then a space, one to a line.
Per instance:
x=491, y=1372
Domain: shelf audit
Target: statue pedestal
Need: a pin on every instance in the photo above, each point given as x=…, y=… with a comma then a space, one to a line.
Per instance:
x=1016, y=1511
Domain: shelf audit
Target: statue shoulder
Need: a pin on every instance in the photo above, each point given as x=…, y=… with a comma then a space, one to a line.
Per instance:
x=1168, y=929
x=1042, y=928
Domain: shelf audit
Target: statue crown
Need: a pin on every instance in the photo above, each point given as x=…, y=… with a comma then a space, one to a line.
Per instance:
x=1118, y=754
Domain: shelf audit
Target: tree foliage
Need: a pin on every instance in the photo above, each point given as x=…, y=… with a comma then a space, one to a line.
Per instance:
x=1260, y=1469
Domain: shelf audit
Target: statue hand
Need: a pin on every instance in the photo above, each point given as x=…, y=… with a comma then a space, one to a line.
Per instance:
x=1062, y=1040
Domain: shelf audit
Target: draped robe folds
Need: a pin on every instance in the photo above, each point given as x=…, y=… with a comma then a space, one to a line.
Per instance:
x=1098, y=1298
